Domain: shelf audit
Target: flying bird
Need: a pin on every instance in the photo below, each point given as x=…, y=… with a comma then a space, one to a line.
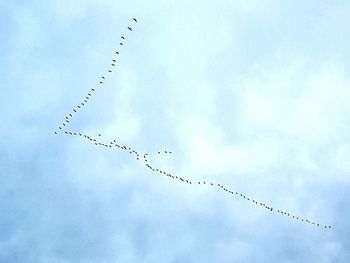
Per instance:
x=131, y=151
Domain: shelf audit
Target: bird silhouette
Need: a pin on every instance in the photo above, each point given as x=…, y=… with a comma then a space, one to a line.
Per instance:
x=136, y=155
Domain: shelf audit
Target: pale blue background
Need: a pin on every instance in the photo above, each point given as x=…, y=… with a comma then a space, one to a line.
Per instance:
x=252, y=94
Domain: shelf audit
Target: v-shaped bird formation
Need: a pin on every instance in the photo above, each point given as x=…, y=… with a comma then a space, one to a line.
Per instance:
x=115, y=145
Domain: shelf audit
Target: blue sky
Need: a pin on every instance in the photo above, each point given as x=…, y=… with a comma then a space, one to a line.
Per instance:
x=250, y=94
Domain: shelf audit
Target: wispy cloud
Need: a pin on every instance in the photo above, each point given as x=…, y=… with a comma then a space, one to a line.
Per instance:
x=248, y=94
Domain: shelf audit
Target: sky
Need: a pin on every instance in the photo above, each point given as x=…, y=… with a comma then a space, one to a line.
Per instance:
x=253, y=95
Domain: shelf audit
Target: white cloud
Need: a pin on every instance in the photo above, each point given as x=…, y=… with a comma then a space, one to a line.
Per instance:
x=273, y=127
x=341, y=159
x=233, y=251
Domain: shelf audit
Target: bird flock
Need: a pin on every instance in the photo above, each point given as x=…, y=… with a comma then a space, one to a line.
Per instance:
x=63, y=128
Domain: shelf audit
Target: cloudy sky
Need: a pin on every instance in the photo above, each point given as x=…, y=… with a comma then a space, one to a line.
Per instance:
x=254, y=95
